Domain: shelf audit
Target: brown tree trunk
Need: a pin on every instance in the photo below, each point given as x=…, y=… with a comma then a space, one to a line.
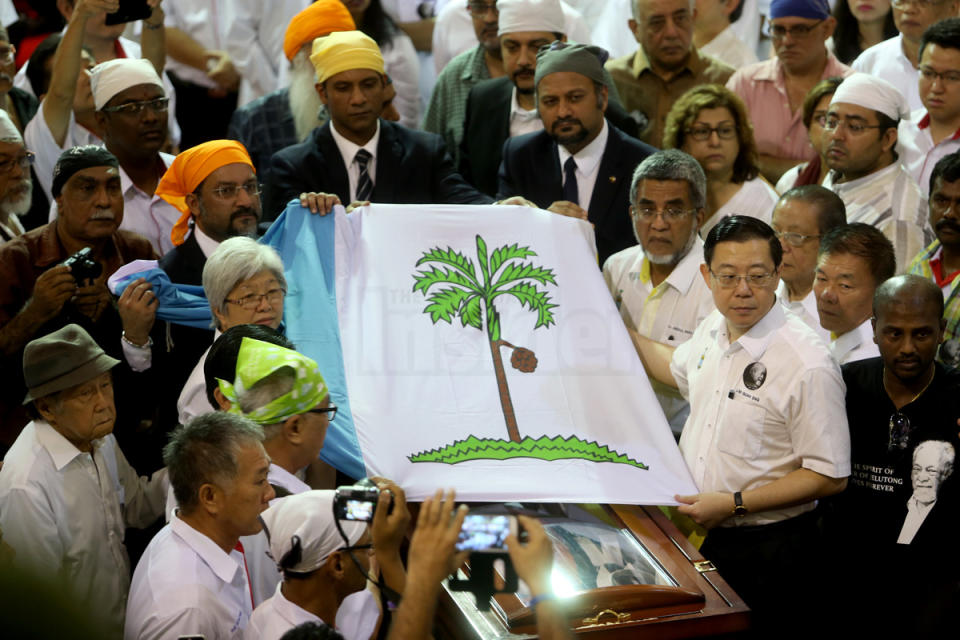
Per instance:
x=505, y=402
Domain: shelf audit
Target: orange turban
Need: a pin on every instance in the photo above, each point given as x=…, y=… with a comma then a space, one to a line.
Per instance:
x=321, y=18
x=192, y=167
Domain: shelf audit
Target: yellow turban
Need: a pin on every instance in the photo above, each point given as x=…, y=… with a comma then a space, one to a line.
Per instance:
x=192, y=167
x=343, y=51
x=319, y=19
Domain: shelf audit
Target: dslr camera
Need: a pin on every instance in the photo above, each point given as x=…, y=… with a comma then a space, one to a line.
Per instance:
x=357, y=502
x=83, y=268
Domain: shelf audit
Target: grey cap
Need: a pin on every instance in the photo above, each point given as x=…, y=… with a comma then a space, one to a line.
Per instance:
x=587, y=60
x=63, y=359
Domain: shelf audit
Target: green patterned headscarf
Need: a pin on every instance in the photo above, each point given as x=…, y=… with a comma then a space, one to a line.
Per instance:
x=255, y=361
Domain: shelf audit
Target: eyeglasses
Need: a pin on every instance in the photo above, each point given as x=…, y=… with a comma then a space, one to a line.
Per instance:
x=854, y=127
x=900, y=429
x=232, y=191
x=24, y=160
x=702, y=132
x=158, y=105
x=946, y=78
x=796, y=32
x=669, y=213
x=793, y=239
x=732, y=280
x=480, y=8
x=253, y=300
x=331, y=412
x=921, y=4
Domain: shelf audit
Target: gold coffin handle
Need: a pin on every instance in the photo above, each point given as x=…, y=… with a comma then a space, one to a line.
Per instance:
x=610, y=613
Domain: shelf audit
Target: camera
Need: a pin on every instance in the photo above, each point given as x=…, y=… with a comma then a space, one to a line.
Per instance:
x=83, y=267
x=485, y=533
x=357, y=502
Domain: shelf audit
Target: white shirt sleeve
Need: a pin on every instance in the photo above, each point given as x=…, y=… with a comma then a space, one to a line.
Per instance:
x=403, y=67
x=31, y=529
x=818, y=423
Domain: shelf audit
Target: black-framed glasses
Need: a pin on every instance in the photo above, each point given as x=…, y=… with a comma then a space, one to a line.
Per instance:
x=480, y=8
x=732, y=280
x=359, y=547
x=702, y=132
x=232, y=191
x=947, y=78
x=24, y=160
x=647, y=214
x=157, y=105
x=796, y=32
x=900, y=429
x=331, y=411
x=855, y=127
x=252, y=301
x=923, y=4
x=793, y=239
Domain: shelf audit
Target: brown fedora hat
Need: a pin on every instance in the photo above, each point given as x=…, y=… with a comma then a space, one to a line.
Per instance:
x=63, y=359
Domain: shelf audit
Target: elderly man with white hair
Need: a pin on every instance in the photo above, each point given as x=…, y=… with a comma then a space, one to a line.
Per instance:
x=860, y=134
x=244, y=284
x=16, y=187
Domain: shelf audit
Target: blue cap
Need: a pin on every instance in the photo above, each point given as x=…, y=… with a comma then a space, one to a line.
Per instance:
x=812, y=9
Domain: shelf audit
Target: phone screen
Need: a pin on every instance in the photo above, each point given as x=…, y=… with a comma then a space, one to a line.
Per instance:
x=483, y=532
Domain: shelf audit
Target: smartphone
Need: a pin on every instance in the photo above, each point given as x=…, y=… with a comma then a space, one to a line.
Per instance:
x=485, y=533
x=130, y=11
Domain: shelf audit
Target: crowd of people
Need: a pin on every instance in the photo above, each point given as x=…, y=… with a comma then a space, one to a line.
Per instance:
x=774, y=191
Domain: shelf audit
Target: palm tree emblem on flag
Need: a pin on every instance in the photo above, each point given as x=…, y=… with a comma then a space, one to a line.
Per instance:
x=459, y=291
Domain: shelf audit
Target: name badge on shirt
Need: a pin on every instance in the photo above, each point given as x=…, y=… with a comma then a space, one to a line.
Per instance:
x=754, y=375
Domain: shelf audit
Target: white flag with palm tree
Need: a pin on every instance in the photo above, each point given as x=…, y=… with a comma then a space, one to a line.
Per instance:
x=482, y=351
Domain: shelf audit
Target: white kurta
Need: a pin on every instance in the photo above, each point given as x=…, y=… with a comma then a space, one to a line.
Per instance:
x=668, y=313
x=890, y=200
x=756, y=198
x=186, y=585
x=64, y=513
x=741, y=435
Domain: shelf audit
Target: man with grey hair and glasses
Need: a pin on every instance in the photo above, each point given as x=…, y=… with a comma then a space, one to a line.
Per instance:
x=657, y=284
x=16, y=187
x=192, y=579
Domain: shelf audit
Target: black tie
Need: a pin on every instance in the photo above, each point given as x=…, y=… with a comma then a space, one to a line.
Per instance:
x=570, y=191
x=364, y=183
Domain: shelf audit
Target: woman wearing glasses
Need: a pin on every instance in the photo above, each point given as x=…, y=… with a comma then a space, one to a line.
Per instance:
x=711, y=124
x=244, y=284
x=815, y=107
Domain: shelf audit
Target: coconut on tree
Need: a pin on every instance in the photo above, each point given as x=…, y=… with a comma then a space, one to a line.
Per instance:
x=472, y=299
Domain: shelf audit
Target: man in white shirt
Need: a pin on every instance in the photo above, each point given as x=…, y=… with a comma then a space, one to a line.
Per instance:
x=896, y=60
x=714, y=35
x=767, y=434
x=192, y=578
x=801, y=218
x=860, y=139
x=934, y=131
x=325, y=571
x=853, y=261
x=66, y=490
x=657, y=284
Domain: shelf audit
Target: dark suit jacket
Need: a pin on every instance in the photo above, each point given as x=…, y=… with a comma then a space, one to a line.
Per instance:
x=486, y=127
x=531, y=168
x=413, y=167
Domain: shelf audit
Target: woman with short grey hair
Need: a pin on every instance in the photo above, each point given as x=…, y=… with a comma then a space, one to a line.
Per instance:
x=244, y=283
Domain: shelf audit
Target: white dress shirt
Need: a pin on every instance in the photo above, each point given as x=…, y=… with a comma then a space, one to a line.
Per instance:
x=755, y=198
x=356, y=619
x=187, y=585
x=805, y=309
x=856, y=344
x=918, y=153
x=588, y=164
x=193, y=400
x=205, y=22
x=668, y=313
x=521, y=120
x=888, y=61
x=727, y=47
x=891, y=201
x=64, y=513
x=740, y=438
x=348, y=151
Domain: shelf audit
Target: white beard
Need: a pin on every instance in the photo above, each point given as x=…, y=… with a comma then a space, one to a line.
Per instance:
x=305, y=104
x=18, y=205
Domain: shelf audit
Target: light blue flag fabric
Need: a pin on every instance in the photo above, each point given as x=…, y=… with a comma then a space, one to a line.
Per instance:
x=184, y=304
x=305, y=242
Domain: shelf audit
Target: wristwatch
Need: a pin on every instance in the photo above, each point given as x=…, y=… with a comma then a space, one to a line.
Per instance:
x=738, y=509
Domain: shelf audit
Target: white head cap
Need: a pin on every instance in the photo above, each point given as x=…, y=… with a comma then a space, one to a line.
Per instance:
x=306, y=521
x=870, y=92
x=530, y=15
x=8, y=130
x=107, y=79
